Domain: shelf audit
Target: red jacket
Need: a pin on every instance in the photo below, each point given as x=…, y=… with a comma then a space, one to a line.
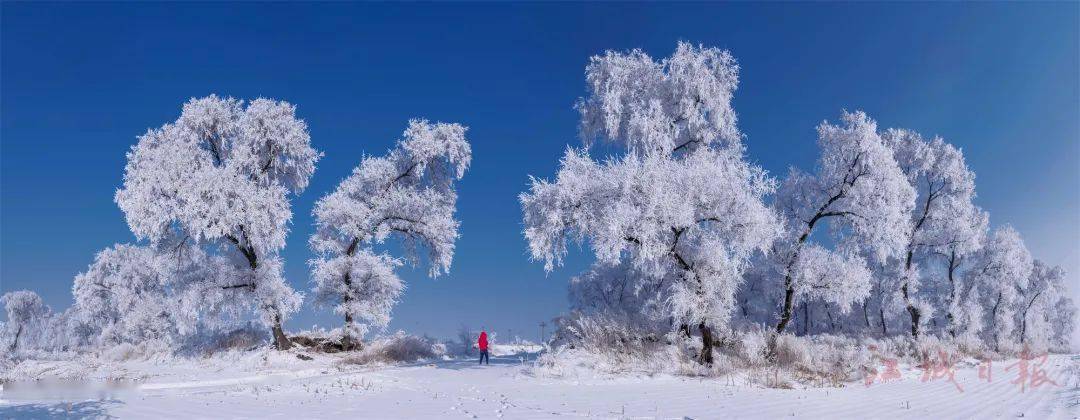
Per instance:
x=483, y=341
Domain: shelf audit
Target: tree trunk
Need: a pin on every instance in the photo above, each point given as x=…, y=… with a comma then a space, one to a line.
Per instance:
x=1023, y=327
x=866, y=314
x=347, y=342
x=884, y=329
x=993, y=321
x=789, y=287
x=952, y=295
x=281, y=342
x=1023, y=318
x=346, y=338
x=706, y=357
x=832, y=322
x=806, y=318
x=914, y=312
x=15, y=344
x=785, y=315
x=911, y=309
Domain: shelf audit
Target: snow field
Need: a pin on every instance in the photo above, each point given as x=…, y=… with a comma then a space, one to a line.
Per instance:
x=271, y=385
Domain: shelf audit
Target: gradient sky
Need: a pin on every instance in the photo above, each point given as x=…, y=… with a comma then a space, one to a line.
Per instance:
x=79, y=82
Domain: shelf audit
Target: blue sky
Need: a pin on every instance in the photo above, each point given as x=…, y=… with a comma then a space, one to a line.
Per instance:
x=79, y=82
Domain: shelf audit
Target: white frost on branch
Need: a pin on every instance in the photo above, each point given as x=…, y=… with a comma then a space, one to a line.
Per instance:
x=677, y=104
x=841, y=278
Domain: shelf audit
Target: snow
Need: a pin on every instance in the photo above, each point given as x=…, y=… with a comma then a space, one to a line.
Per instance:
x=270, y=384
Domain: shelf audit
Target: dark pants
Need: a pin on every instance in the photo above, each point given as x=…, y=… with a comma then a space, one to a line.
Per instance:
x=484, y=357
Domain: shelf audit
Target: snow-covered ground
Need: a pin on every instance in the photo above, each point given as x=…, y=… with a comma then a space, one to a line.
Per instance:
x=277, y=385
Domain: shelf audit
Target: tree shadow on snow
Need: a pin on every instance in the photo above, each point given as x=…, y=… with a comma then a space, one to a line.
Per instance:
x=61, y=410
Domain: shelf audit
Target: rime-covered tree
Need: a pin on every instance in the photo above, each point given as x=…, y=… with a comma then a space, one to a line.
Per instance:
x=220, y=177
x=408, y=194
x=999, y=272
x=862, y=193
x=680, y=205
x=1062, y=320
x=27, y=318
x=956, y=255
x=133, y=293
x=123, y=294
x=1039, y=306
x=34, y=328
x=944, y=220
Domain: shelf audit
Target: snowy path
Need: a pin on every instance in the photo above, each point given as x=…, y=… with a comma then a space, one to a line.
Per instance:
x=504, y=389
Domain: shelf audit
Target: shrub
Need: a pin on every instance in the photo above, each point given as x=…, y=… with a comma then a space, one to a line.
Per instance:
x=397, y=348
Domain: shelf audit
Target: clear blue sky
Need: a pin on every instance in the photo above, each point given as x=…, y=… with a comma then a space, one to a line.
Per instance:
x=79, y=82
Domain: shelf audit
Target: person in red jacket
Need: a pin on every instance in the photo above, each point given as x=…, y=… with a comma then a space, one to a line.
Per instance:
x=483, y=344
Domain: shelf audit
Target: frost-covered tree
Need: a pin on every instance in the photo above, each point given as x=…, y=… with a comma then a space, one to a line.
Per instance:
x=1039, y=304
x=408, y=194
x=1062, y=320
x=957, y=254
x=34, y=328
x=680, y=205
x=859, y=189
x=1000, y=271
x=134, y=293
x=220, y=177
x=123, y=295
x=944, y=220
x=27, y=318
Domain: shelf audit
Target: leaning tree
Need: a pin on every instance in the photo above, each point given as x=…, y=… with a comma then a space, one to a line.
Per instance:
x=408, y=194
x=219, y=177
x=679, y=205
x=861, y=192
